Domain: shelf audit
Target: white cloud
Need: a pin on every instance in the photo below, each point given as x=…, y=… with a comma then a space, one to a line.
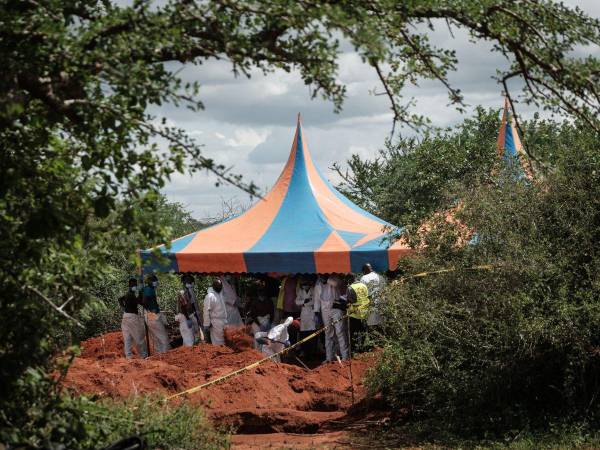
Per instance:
x=247, y=137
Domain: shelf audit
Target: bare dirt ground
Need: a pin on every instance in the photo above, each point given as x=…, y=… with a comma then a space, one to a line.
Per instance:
x=275, y=405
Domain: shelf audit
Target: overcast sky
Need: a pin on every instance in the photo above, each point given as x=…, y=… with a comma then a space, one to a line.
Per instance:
x=250, y=123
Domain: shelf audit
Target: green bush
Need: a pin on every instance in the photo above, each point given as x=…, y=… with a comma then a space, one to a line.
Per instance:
x=102, y=312
x=59, y=421
x=518, y=345
x=179, y=426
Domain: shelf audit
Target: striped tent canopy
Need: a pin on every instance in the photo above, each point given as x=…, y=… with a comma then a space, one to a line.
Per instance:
x=509, y=145
x=303, y=225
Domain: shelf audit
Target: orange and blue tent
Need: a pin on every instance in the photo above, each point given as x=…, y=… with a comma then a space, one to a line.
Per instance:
x=302, y=225
x=509, y=145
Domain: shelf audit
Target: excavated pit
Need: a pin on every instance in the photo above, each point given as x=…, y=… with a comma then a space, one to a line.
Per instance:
x=272, y=398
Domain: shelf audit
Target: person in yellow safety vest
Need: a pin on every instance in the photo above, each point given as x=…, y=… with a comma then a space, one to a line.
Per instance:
x=357, y=297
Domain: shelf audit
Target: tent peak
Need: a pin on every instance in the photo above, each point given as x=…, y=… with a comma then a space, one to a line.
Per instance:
x=302, y=225
x=299, y=120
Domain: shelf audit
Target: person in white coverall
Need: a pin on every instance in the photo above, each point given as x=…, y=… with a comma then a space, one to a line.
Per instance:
x=132, y=324
x=188, y=324
x=327, y=291
x=215, y=313
x=274, y=340
x=375, y=283
x=154, y=318
x=231, y=300
x=305, y=299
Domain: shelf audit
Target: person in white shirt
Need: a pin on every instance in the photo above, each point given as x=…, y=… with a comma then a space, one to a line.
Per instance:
x=375, y=283
x=215, y=313
x=231, y=300
x=327, y=291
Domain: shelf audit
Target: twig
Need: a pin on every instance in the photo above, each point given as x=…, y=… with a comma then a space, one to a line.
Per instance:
x=62, y=307
x=57, y=308
x=300, y=361
x=390, y=96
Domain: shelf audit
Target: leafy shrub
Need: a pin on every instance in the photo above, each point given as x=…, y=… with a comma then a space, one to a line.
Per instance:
x=179, y=426
x=60, y=422
x=515, y=345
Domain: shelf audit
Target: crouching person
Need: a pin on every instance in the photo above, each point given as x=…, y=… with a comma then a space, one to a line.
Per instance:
x=261, y=313
x=154, y=318
x=274, y=340
x=132, y=324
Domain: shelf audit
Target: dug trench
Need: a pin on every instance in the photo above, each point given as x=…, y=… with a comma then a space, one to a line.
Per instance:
x=271, y=398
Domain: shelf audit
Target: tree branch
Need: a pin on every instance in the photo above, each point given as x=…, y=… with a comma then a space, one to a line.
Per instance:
x=56, y=308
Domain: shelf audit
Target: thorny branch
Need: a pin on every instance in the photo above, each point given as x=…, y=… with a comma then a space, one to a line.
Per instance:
x=389, y=94
x=59, y=309
x=222, y=174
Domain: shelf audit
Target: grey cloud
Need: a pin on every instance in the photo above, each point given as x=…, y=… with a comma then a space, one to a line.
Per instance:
x=267, y=106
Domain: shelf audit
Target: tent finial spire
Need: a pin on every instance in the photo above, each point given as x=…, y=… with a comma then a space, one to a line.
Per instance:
x=299, y=118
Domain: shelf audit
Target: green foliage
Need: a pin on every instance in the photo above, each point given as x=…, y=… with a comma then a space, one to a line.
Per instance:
x=515, y=346
x=557, y=436
x=411, y=178
x=102, y=312
x=82, y=159
x=164, y=426
x=82, y=423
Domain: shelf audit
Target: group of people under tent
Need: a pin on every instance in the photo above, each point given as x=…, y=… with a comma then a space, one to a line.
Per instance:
x=276, y=312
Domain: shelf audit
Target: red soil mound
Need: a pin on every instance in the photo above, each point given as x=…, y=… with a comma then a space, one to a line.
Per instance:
x=109, y=345
x=272, y=397
x=238, y=338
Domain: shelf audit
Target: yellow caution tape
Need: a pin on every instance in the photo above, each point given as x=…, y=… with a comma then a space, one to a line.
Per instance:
x=254, y=364
x=307, y=338
x=434, y=272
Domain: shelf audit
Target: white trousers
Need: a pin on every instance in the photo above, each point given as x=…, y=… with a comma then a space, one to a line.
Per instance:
x=335, y=334
x=187, y=334
x=217, y=327
x=158, y=332
x=132, y=327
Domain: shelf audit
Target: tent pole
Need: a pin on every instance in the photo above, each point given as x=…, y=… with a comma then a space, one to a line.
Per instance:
x=350, y=360
x=141, y=273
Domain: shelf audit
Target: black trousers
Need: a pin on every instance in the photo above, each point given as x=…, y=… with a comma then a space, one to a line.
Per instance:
x=309, y=348
x=358, y=329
